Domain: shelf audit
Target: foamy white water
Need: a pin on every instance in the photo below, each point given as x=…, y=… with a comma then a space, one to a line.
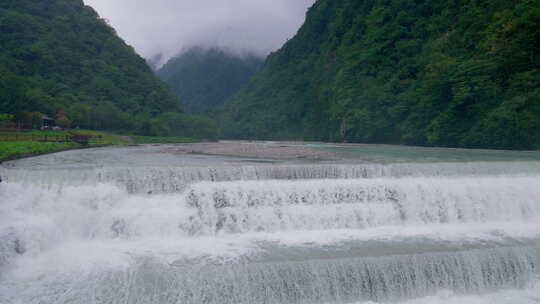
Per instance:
x=167, y=179
x=326, y=233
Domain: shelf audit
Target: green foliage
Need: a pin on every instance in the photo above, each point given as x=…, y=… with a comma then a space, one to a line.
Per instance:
x=205, y=78
x=442, y=73
x=17, y=149
x=106, y=138
x=6, y=117
x=182, y=125
x=58, y=55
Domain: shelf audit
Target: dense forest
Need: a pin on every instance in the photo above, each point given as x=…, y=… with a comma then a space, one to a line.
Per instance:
x=205, y=77
x=455, y=73
x=59, y=58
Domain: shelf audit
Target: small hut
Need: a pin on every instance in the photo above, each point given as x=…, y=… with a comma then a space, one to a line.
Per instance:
x=46, y=122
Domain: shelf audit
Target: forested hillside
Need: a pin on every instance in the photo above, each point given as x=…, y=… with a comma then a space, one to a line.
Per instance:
x=58, y=56
x=425, y=72
x=205, y=77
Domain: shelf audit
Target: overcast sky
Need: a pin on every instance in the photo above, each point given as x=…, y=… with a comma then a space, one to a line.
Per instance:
x=165, y=27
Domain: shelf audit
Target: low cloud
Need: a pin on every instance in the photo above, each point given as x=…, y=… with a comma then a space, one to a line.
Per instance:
x=160, y=29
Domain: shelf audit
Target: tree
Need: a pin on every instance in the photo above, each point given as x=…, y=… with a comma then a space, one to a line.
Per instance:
x=58, y=53
x=435, y=72
x=62, y=119
x=34, y=119
x=81, y=115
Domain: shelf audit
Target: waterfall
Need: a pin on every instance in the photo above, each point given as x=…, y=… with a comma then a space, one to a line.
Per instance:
x=142, y=179
x=314, y=281
x=326, y=233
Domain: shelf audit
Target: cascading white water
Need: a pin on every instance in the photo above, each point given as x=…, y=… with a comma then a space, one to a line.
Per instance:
x=270, y=233
x=238, y=207
x=314, y=281
x=174, y=179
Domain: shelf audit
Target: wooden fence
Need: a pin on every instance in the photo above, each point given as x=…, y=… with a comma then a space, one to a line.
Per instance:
x=78, y=138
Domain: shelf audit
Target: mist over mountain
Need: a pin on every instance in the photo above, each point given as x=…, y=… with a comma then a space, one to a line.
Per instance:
x=441, y=73
x=204, y=77
x=162, y=28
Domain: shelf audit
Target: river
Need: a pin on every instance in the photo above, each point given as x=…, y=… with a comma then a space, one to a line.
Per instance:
x=317, y=223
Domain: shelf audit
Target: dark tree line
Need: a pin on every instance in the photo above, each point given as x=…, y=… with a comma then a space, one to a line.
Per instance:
x=58, y=55
x=460, y=73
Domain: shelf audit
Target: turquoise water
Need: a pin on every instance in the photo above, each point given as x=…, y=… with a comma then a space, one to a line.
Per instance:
x=389, y=153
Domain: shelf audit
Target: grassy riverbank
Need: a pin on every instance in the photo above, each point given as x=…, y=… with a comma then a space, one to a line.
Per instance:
x=15, y=149
x=25, y=147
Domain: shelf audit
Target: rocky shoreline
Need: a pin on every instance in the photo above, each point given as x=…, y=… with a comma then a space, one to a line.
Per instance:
x=260, y=150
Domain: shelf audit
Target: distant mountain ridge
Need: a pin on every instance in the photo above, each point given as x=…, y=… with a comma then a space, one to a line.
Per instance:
x=463, y=73
x=205, y=77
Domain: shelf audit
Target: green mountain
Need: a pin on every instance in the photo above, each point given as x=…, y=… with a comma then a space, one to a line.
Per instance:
x=205, y=77
x=58, y=56
x=456, y=73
